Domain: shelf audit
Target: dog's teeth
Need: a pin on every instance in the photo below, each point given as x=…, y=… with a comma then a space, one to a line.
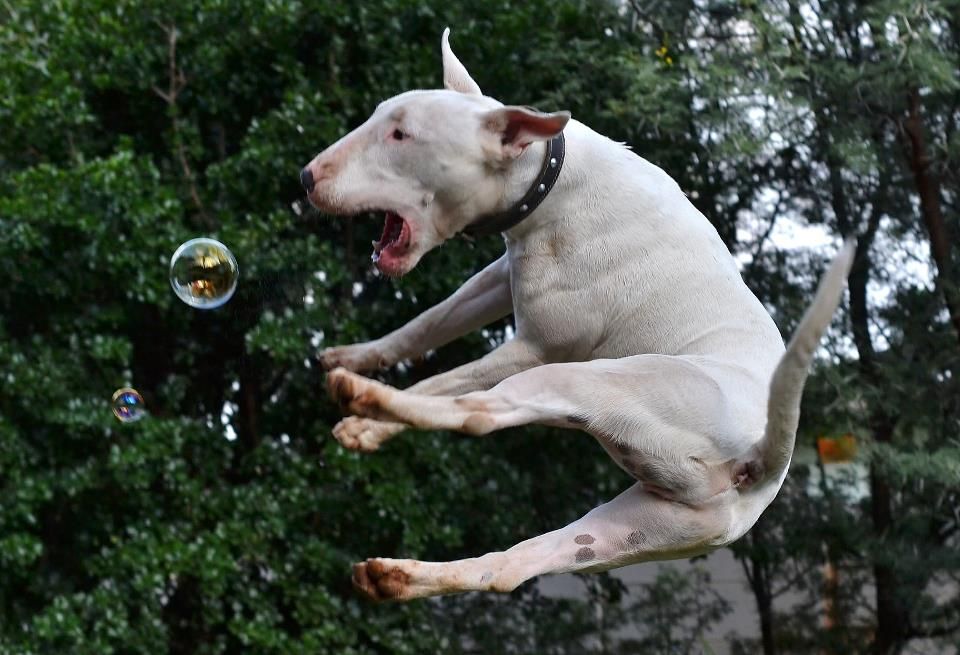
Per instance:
x=374, y=243
x=375, y=257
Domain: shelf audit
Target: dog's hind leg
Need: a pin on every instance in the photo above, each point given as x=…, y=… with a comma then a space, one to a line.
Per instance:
x=666, y=411
x=655, y=395
x=636, y=526
x=367, y=434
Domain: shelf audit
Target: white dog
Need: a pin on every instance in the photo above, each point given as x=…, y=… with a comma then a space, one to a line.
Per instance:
x=632, y=324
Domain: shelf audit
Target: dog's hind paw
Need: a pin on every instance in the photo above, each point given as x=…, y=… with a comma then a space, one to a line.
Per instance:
x=364, y=434
x=380, y=580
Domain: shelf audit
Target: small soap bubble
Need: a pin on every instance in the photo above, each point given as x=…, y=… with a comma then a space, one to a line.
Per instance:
x=128, y=405
x=203, y=273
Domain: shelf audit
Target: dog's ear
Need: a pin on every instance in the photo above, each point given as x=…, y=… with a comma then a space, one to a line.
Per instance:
x=455, y=76
x=518, y=127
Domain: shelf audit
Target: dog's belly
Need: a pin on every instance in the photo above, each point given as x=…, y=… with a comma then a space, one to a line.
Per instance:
x=687, y=480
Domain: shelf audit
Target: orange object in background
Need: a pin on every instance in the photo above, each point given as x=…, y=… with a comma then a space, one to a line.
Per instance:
x=837, y=449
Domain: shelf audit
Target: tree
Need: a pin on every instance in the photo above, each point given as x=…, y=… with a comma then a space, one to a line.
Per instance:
x=865, y=116
x=227, y=520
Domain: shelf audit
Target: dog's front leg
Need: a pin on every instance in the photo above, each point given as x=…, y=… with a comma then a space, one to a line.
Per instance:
x=482, y=299
x=635, y=526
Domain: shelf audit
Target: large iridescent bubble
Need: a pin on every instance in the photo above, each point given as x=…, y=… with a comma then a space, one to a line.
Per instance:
x=204, y=273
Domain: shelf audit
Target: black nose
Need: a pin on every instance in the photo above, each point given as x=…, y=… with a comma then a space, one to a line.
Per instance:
x=306, y=179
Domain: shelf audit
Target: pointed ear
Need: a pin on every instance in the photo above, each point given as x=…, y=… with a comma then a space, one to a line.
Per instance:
x=455, y=76
x=518, y=127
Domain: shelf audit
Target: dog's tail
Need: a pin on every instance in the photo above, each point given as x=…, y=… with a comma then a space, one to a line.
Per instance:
x=786, y=386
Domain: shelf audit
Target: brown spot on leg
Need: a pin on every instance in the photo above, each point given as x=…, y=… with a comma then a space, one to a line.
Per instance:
x=338, y=387
x=636, y=538
x=358, y=395
x=353, y=393
x=390, y=580
x=363, y=402
x=379, y=581
x=585, y=554
x=584, y=539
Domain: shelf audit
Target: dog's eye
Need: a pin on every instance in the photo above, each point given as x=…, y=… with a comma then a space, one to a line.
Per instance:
x=399, y=134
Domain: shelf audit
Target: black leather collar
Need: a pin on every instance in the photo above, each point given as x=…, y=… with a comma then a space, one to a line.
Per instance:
x=503, y=221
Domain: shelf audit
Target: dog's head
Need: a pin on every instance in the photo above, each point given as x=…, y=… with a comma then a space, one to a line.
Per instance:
x=432, y=161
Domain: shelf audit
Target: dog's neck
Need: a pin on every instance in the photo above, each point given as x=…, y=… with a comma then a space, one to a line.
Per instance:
x=525, y=171
x=524, y=174
x=523, y=183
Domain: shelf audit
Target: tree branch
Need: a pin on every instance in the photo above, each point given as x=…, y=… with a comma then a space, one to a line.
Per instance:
x=176, y=82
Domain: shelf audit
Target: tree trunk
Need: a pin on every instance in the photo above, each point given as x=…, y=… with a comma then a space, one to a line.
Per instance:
x=758, y=576
x=761, y=591
x=891, y=615
x=928, y=188
x=248, y=420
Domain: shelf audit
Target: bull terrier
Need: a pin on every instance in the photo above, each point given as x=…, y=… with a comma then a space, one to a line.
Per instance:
x=633, y=325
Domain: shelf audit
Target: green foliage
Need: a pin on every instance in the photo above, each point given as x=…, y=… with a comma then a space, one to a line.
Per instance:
x=677, y=608
x=129, y=127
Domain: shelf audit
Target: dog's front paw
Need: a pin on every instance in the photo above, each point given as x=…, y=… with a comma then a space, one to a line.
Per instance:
x=357, y=357
x=364, y=434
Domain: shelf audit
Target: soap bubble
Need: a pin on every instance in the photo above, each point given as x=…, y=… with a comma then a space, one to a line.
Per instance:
x=128, y=405
x=203, y=273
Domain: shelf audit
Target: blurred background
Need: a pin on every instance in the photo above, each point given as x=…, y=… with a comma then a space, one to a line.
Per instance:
x=226, y=520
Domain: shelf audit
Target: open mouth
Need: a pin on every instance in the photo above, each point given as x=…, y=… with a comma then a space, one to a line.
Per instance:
x=393, y=244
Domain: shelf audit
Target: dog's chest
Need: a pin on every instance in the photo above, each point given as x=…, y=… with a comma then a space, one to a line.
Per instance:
x=589, y=294
x=553, y=304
